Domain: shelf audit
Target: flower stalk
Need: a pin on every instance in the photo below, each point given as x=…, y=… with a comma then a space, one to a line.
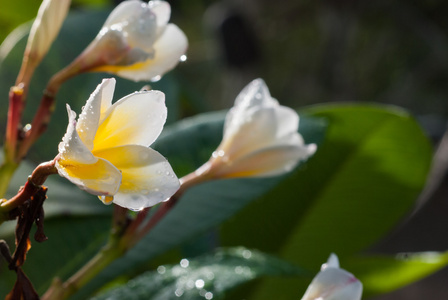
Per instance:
x=33, y=184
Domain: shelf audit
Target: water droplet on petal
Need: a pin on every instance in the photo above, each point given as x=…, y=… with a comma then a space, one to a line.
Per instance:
x=183, y=58
x=106, y=199
x=156, y=78
x=219, y=153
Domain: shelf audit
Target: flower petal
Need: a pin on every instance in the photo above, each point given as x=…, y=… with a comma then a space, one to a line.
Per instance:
x=265, y=162
x=107, y=94
x=99, y=178
x=256, y=120
x=72, y=147
x=261, y=128
x=170, y=46
x=147, y=176
x=162, y=10
x=126, y=10
x=255, y=94
x=333, y=283
x=135, y=119
x=96, y=105
x=141, y=30
x=253, y=97
x=332, y=262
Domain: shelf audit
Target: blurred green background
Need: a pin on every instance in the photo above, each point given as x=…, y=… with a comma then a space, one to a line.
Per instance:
x=392, y=52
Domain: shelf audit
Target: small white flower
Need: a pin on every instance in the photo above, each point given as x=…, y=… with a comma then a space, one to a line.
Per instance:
x=260, y=137
x=333, y=283
x=136, y=42
x=106, y=152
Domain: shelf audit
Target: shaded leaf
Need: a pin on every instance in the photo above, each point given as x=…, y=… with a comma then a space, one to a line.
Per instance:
x=208, y=276
x=382, y=274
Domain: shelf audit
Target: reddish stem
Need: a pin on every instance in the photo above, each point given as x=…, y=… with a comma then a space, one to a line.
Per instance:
x=38, y=125
x=135, y=235
x=35, y=180
x=15, y=109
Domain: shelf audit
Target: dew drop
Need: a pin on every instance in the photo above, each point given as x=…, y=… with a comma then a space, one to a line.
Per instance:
x=156, y=78
x=106, y=199
x=208, y=295
x=27, y=127
x=199, y=283
x=184, y=263
x=219, y=153
x=137, y=209
x=161, y=269
x=183, y=58
x=247, y=254
x=179, y=292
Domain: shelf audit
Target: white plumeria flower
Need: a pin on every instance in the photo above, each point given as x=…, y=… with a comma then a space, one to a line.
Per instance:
x=260, y=137
x=333, y=283
x=107, y=151
x=136, y=42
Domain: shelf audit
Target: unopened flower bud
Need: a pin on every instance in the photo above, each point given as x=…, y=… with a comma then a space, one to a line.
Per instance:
x=43, y=32
x=333, y=283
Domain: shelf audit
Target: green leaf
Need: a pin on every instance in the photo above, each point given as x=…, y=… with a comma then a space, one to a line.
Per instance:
x=363, y=179
x=72, y=241
x=205, y=277
x=382, y=274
